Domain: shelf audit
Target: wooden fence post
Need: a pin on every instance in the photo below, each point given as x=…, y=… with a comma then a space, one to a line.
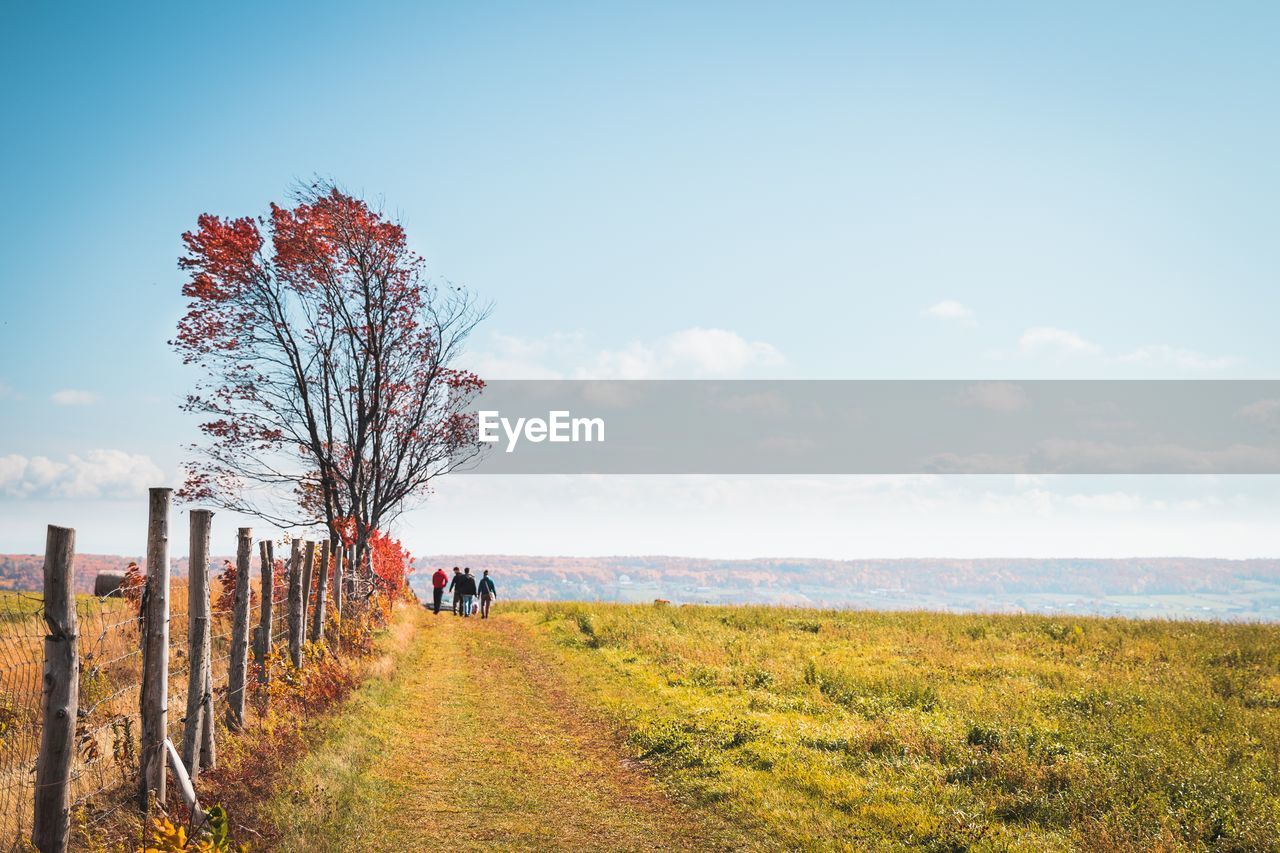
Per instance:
x=308, y=568
x=262, y=634
x=239, y=662
x=338, y=553
x=198, y=641
x=155, y=651
x=322, y=588
x=295, y=604
x=208, y=743
x=348, y=578
x=60, y=701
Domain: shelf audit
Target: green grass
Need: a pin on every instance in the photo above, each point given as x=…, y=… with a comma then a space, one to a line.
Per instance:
x=859, y=730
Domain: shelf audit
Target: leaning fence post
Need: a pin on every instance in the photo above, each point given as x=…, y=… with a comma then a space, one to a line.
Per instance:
x=155, y=651
x=239, y=632
x=52, y=824
x=295, y=603
x=262, y=634
x=322, y=587
x=198, y=641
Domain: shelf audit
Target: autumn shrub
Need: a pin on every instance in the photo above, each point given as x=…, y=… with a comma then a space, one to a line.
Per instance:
x=213, y=836
x=135, y=580
x=226, y=598
x=285, y=707
x=251, y=764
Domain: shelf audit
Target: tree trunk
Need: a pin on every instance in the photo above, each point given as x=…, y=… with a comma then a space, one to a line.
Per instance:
x=350, y=591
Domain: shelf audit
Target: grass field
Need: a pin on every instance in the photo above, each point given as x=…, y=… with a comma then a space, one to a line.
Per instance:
x=614, y=727
x=863, y=730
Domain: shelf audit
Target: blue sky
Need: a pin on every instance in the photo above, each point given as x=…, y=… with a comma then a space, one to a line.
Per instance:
x=876, y=190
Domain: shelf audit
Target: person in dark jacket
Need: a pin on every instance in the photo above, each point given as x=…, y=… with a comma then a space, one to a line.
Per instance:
x=456, y=592
x=467, y=585
x=488, y=592
x=438, y=582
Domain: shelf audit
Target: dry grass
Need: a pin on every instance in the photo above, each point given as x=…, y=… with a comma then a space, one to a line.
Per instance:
x=104, y=770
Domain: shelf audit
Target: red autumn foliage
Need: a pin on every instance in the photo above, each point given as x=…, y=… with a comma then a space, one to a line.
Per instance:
x=227, y=587
x=330, y=387
x=280, y=581
x=390, y=560
x=133, y=584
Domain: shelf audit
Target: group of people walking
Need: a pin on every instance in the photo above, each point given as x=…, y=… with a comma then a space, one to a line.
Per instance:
x=465, y=591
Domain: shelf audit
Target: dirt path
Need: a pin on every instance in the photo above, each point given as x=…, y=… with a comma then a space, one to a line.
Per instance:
x=474, y=742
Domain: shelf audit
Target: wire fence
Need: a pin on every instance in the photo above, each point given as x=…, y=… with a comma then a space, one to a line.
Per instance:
x=21, y=664
x=110, y=675
x=105, y=768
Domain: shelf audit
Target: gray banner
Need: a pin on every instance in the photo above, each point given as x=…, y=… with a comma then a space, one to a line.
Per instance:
x=879, y=427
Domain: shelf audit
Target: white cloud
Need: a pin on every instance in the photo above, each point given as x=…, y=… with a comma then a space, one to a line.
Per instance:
x=1084, y=456
x=73, y=397
x=852, y=517
x=1052, y=340
x=1177, y=357
x=994, y=397
x=1063, y=344
x=695, y=353
x=510, y=357
x=690, y=353
x=1265, y=412
x=1113, y=502
x=96, y=474
x=950, y=309
x=7, y=392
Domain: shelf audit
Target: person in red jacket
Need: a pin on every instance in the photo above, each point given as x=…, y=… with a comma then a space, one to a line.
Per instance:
x=438, y=582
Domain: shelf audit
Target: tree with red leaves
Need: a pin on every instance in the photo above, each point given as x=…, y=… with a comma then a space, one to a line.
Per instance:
x=391, y=562
x=330, y=388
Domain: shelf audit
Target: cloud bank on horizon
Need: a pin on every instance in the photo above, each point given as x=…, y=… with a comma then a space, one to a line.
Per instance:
x=787, y=515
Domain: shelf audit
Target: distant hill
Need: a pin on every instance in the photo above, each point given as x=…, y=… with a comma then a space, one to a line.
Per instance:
x=1154, y=587
x=1170, y=587
x=26, y=571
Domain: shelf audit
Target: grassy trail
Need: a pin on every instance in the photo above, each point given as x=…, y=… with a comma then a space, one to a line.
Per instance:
x=472, y=741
